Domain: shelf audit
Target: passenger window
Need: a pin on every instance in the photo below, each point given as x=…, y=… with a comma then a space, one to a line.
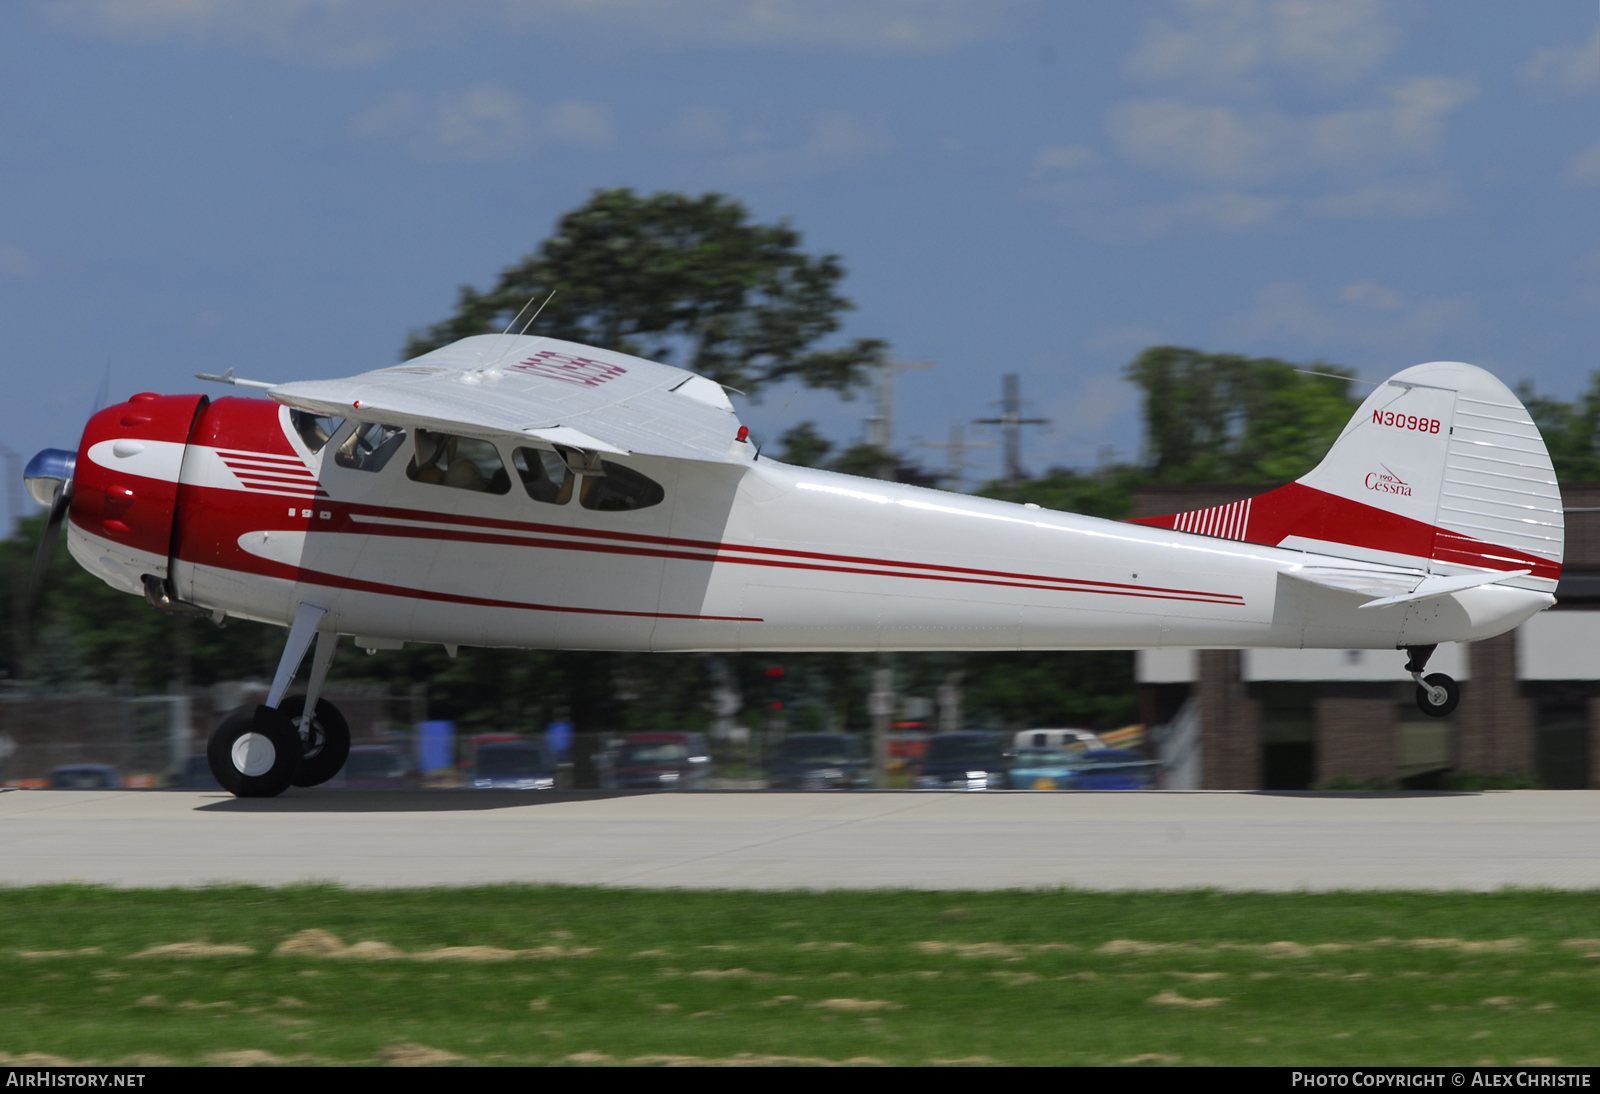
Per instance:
x=619, y=488
x=370, y=446
x=314, y=429
x=465, y=463
x=545, y=475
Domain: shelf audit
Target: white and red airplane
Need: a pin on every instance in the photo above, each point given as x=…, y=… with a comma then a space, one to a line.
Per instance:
x=527, y=492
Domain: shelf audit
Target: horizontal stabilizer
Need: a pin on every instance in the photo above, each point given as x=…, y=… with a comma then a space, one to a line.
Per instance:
x=1395, y=586
x=1444, y=586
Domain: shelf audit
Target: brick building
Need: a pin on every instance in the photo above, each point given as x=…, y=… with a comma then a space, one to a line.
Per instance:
x=1290, y=719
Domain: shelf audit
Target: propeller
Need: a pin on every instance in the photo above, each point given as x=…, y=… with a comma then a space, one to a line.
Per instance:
x=48, y=478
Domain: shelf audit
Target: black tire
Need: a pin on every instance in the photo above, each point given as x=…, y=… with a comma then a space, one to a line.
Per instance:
x=326, y=745
x=1452, y=695
x=260, y=768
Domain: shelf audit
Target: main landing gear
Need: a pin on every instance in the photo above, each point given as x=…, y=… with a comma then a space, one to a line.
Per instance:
x=258, y=752
x=1437, y=694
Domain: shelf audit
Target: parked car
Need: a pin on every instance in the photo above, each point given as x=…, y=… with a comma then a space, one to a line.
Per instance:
x=819, y=761
x=513, y=765
x=963, y=761
x=1116, y=769
x=659, y=761
x=377, y=767
x=1042, y=768
x=1069, y=740
x=85, y=777
x=195, y=774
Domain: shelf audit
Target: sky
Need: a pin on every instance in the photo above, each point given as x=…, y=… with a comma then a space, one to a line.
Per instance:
x=287, y=187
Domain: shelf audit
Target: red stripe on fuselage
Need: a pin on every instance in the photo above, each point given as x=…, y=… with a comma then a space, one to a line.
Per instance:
x=1308, y=513
x=436, y=526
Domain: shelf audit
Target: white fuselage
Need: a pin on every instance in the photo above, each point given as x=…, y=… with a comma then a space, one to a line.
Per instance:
x=759, y=555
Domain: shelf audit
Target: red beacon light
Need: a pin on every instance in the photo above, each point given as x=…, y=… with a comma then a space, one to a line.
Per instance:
x=744, y=434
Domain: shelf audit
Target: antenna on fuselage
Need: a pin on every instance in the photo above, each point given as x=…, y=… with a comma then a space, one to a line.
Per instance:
x=521, y=332
x=493, y=345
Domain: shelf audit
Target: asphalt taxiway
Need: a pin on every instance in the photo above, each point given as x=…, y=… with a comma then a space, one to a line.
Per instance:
x=923, y=840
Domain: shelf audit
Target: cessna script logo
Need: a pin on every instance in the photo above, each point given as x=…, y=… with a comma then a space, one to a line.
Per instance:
x=1387, y=482
x=573, y=370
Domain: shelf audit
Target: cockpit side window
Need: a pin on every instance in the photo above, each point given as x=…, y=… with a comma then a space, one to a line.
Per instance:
x=620, y=488
x=314, y=429
x=466, y=463
x=370, y=446
x=545, y=475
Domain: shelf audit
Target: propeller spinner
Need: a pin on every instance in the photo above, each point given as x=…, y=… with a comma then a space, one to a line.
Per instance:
x=48, y=478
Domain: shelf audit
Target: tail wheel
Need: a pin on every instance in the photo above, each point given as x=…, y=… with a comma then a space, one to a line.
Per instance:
x=254, y=752
x=325, y=742
x=1438, y=695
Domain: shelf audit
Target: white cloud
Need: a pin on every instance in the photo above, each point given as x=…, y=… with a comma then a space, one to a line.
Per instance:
x=1224, y=209
x=1231, y=44
x=1371, y=295
x=1364, y=314
x=1566, y=69
x=16, y=264
x=1584, y=170
x=1068, y=157
x=578, y=122
x=356, y=32
x=1410, y=200
x=484, y=124
x=836, y=140
x=1228, y=144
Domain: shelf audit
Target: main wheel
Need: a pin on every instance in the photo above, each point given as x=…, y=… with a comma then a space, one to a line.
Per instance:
x=253, y=753
x=325, y=743
x=1429, y=702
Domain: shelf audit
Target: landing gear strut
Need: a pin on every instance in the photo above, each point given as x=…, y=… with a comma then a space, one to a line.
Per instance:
x=258, y=752
x=1437, y=694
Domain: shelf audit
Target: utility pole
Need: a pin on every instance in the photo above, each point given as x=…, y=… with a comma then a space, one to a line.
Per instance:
x=1011, y=422
x=880, y=427
x=956, y=449
x=21, y=636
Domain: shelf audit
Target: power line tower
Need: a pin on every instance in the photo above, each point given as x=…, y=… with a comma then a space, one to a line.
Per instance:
x=956, y=462
x=880, y=427
x=1011, y=422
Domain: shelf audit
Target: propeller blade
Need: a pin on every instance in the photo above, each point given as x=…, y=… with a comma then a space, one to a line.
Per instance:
x=47, y=540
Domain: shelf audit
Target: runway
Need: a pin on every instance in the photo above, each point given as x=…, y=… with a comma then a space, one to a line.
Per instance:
x=921, y=840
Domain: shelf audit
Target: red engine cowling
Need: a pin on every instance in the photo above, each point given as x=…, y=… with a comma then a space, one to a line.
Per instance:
x=125, y=485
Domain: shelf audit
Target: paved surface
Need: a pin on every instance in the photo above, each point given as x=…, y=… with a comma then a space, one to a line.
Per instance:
x=929, y=840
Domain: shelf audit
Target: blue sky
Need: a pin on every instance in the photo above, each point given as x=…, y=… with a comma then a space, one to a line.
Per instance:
x=287, y=187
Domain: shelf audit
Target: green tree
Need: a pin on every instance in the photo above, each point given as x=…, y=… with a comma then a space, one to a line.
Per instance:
x=690, y=281
x=1222, y=417
x=1571, y=430
x=803, y=446
x=1107, y=494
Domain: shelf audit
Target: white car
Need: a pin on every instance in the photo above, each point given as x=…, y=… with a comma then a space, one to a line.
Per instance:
x=1068, y=740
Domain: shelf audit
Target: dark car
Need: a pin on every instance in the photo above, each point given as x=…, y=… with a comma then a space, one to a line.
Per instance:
x=513, y=765
x=963, y=761
x=196, y=775
x=660, y=761
x=377, y=767
x=85, y=777
x=1115, y=769
x=819, y=761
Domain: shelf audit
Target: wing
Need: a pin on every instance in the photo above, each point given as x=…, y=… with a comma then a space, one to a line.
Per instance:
x=560, y=392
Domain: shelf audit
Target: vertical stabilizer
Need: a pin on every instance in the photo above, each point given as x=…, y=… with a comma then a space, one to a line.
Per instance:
x=1441, y=469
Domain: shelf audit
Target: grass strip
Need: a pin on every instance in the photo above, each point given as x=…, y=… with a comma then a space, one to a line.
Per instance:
x=568, y=975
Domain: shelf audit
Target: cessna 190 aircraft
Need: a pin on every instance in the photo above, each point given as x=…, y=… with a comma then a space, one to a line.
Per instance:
x=527, y=492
